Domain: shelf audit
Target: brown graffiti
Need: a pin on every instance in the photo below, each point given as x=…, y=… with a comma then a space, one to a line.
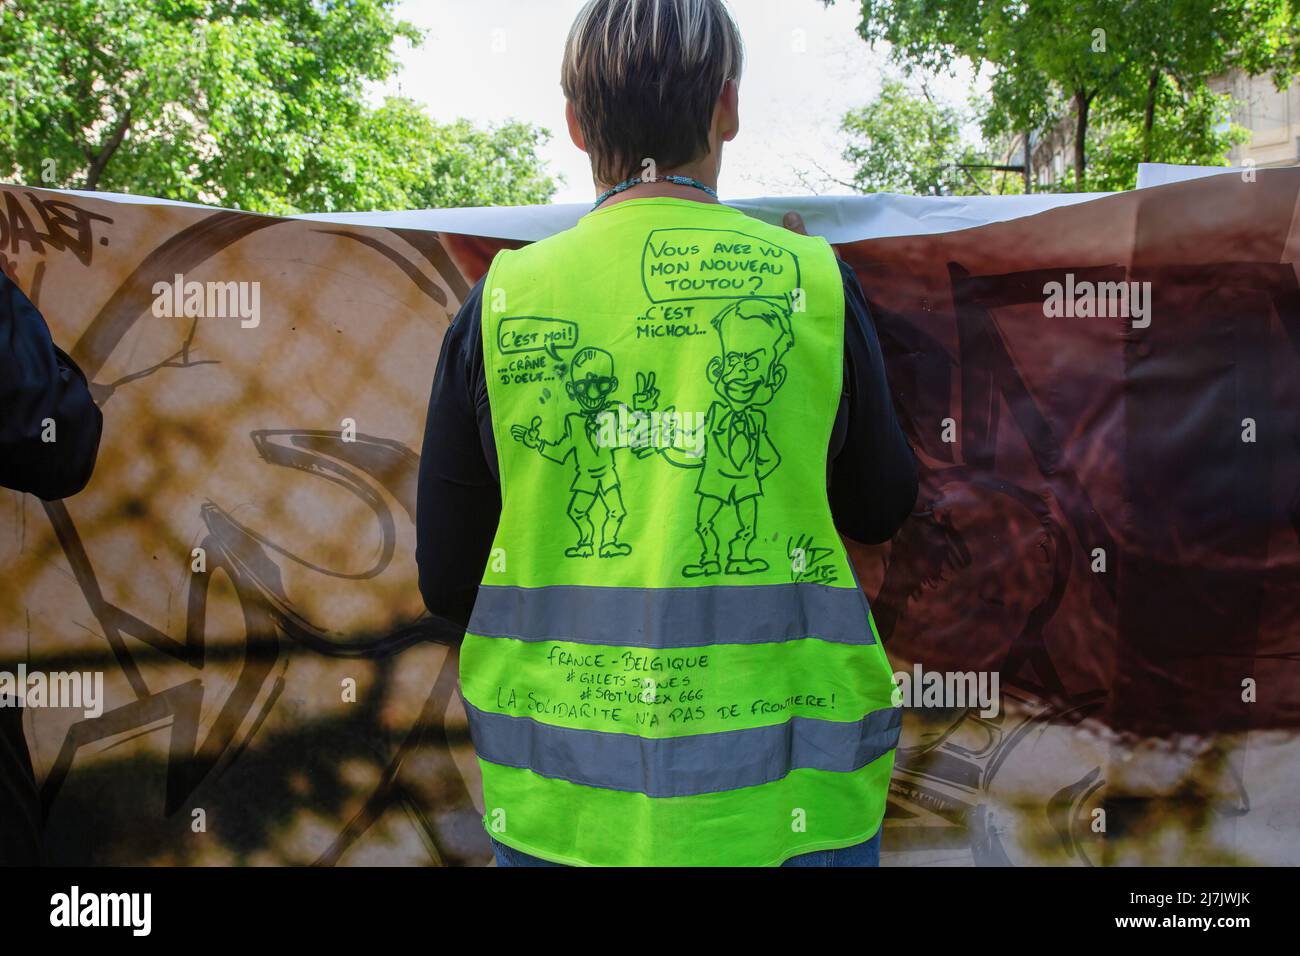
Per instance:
x=64, y=227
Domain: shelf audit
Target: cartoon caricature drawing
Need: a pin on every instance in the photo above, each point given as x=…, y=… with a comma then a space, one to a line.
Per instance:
x=591, y=383
x=738, y=454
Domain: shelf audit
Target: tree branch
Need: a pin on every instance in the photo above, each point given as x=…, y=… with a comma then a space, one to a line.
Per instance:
x=101, y=158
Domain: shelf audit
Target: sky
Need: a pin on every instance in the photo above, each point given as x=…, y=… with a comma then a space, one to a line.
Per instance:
x=494, y=60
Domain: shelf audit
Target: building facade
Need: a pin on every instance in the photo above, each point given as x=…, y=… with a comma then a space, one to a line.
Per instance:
x=1271, y=116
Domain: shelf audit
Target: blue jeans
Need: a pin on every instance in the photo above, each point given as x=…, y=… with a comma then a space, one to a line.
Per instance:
x=863, y=854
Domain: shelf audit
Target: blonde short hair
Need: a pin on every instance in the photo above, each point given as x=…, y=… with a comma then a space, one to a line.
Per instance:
x=644, y=77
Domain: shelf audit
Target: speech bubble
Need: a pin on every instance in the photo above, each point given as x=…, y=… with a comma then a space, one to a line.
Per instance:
x=686, y=263
x=532, y=333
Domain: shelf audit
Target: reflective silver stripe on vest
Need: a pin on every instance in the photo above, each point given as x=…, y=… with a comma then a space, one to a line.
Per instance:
x=683, y=766
x=673, y=617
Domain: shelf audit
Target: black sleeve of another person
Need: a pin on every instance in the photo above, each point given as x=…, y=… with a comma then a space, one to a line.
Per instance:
x=458, y=502
x=42, y=395
x=873, y=480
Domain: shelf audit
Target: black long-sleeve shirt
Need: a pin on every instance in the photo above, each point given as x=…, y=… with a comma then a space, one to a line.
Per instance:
x=43, y=396
x=872, y=472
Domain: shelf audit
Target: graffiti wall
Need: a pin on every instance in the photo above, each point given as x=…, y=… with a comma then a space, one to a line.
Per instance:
x=1104, y=399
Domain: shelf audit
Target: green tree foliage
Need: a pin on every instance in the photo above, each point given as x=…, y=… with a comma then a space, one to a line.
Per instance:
x=398, y=158
x=254, y=104
x=1130, y=75
x=1194, y=128
x=903, y=142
